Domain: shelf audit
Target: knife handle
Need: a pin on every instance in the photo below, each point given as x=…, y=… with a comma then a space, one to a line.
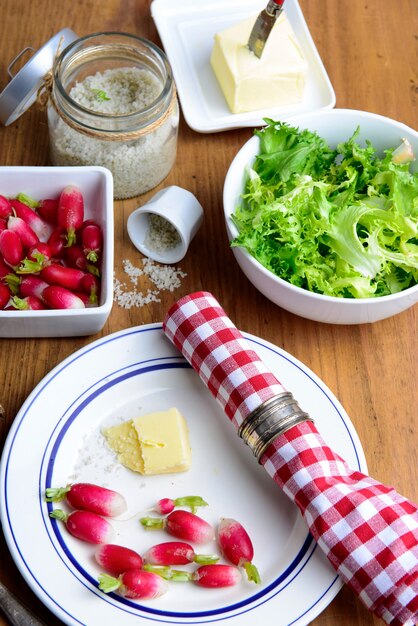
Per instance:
x=15, y=610
x=274, y=8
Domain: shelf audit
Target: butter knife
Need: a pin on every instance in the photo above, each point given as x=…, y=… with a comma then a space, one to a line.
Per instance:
x=263, y=26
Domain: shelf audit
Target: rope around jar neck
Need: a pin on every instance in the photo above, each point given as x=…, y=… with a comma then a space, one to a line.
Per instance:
x=45, y=95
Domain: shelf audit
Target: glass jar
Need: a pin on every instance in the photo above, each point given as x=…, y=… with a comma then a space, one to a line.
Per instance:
x=113, y=103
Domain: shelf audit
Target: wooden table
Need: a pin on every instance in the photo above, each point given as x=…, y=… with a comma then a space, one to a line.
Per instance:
x=369, y=51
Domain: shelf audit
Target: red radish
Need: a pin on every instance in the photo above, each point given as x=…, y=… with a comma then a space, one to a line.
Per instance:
x=89, y=497
x=28, y=285
x=3, y=224
x=35, y=221
x=37, y=258
x=30, y=303
x=90, y=285
x=183, y=525
x=5, y=295
x=67, y=277
x=117, y=559
x=92, y=242
x=213, y=576
x=5, y=208
x=216, y=576
x=40, y=248
x=176, y=553
x=236, y=546
x=135, y=584
x=166, y=505
x=57, y=297
x=11, y=247
x=88, y=222
x=56, y=242
x=21, y=228
x=70, y=213
x=74, y=257
x=85, y=525
x=48, y=209
x=4, y=269
x=85, y=299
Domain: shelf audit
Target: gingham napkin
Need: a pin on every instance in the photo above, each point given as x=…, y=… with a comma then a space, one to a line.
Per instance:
x=368, y=531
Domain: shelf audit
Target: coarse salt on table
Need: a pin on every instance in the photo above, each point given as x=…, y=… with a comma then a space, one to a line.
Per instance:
x=367, y=530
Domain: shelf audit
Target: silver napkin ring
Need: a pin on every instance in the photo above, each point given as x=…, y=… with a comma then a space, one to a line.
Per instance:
x=272, y=418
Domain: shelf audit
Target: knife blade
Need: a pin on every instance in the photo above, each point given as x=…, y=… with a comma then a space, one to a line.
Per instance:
x=263, y=26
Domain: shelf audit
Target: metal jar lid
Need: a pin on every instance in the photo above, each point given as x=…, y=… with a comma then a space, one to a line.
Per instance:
x=21, y=91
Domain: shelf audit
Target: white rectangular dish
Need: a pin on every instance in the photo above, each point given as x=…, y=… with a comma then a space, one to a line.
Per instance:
x=96, y=185
x=187, y=29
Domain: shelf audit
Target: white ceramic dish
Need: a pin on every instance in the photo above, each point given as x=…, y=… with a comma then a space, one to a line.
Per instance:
x=335, y=125
x=187, y=28
x=96, y=184
x=126, y=374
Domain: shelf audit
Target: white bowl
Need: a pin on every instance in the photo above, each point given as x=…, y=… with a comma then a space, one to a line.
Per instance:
x=96, y=185
x=334, y=126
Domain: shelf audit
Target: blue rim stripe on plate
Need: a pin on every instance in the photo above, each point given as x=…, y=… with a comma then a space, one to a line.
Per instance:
x=114, y=337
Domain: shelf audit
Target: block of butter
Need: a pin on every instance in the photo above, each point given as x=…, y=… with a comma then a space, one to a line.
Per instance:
x=156, y=443
x=248, y=83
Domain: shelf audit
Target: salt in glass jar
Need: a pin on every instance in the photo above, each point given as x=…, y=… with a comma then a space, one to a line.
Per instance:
x=113, y=103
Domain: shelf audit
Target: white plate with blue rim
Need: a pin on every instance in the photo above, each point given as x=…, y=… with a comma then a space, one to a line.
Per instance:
x=56, y=439
x=187, y=29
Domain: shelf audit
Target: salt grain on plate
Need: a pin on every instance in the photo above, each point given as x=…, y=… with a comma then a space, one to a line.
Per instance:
x=163, y=277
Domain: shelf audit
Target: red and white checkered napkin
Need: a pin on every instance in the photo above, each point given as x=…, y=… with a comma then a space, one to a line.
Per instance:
x=368, y=531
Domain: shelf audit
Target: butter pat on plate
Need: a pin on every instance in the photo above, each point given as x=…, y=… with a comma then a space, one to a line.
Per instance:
x=156, y=443
x=248, y=83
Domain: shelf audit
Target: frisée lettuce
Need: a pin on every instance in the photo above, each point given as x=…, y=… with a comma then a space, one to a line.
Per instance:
x=341, y=222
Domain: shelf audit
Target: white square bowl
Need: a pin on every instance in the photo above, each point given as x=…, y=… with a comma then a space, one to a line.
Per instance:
x=96, y=185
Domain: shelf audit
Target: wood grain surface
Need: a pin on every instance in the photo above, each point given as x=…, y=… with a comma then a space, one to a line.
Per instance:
x=369, y=49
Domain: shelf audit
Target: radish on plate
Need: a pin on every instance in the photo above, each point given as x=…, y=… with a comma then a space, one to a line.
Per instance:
x=176, y=553
x=237, y=547
x=213, y=576
x=89, y=497
x=135, y=584
x=117, y=559
x=182, y=524
x=216, y=576
x=85, y=525
x=167, y=505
